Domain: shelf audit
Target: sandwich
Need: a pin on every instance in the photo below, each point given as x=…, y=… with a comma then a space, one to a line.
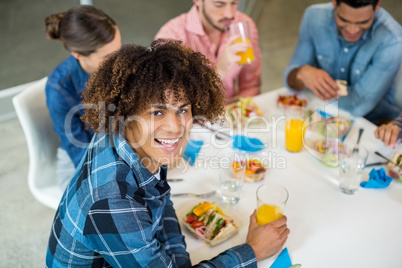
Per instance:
x=207, y=221
x=244, y=110
x=343, y=87
x=395, y=170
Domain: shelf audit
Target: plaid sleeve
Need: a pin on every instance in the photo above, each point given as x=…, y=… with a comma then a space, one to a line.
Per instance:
x=172, y=239
x=398, y=121
x=122, y=232
x=239, y=256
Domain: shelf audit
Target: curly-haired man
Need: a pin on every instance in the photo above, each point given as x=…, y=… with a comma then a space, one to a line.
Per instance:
x=117, y=211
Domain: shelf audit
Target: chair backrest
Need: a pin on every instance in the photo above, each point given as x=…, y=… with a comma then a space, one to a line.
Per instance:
x=42, y=141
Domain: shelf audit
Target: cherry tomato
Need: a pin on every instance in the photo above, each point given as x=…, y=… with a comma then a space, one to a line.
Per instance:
x=191, y=218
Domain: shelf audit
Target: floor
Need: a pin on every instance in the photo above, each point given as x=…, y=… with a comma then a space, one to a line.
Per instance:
x=27, y=56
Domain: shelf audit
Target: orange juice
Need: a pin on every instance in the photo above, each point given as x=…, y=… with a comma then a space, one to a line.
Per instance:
x=248, y=56
x=267, y=213
x=294, y=135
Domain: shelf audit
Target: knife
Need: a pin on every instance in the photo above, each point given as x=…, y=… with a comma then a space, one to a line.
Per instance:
x=376, y=164
x=174, y=179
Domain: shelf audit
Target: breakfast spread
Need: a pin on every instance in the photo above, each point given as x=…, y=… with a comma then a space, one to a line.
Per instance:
x=208, y=222
x=395, y=171
x=255, y=170
x=330, y=151
x=333, y=127
x=288, y=100
x=242, y=110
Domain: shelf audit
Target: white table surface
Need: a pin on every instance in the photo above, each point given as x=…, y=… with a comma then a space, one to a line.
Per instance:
x=327, y=227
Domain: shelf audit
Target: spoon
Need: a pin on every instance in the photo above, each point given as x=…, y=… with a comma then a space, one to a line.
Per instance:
x=356, y=149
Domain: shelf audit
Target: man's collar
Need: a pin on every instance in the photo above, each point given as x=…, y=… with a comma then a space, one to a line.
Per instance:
x=194, y=23
x=127, y=154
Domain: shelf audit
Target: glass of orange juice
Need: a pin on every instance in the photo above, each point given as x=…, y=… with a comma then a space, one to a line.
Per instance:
x=271, y=202
x=294, y=129
x=242, y=30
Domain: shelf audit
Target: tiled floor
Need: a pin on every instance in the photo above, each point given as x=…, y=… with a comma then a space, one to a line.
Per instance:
x=28, y=56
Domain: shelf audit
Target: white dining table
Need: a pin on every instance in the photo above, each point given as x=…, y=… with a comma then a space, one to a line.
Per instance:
x=327, y=227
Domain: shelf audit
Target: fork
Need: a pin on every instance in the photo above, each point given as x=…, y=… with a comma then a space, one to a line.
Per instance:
x=205, y=195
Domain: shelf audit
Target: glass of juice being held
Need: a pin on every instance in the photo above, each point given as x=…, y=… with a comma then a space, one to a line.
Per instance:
x=294, y=129
x=242, y=30
x=271, y=202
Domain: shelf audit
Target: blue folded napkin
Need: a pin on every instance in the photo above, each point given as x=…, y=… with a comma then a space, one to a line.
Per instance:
x=192, y=149
x=378, y=179
x=283, y=260
x=247, y=144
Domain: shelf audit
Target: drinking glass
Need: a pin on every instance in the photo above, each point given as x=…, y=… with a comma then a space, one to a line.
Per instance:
x=242, y=30
x=231, y=177
x=271, y=202
x=351, y=168
x=294, y=129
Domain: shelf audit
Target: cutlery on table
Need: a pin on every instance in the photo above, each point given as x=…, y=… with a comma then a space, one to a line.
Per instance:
x=174, y=179
x=356, y=148
x=205, y=195
x=377, y=164
x=386, y=158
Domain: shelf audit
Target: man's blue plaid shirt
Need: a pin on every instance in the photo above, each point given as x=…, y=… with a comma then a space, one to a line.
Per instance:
x=116, y=213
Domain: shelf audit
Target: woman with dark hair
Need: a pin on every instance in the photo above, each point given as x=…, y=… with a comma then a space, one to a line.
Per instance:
x=116, y=211
x=90, y=36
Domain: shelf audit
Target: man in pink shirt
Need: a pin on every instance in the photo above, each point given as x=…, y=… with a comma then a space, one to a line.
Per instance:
x=203, y=29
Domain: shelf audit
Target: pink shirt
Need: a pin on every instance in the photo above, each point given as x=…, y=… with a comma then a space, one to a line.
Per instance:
x=188, y=28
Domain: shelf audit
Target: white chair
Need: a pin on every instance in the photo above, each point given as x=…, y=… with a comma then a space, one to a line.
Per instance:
x=42, y=141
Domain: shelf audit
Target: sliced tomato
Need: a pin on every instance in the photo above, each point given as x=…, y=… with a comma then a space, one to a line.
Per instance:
x=196, y=224
x=191, y=218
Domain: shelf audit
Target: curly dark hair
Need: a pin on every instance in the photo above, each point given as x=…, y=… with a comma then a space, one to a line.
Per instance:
x=135, y=76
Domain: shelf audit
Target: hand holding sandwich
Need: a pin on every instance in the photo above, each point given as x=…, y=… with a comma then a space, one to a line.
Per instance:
x=315, y=79
x=267, y=239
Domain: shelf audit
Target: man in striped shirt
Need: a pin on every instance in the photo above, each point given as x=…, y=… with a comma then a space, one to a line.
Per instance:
x=116, y=211
x=203, y=29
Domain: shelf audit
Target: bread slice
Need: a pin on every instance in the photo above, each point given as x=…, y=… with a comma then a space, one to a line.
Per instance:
x=343, y=88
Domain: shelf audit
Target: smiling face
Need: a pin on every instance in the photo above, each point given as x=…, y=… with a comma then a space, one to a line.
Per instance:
x=352, y=22
x=159, y=134
x=216, y=14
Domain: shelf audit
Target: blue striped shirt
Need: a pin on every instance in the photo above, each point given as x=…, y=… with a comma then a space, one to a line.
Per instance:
x=115, y=213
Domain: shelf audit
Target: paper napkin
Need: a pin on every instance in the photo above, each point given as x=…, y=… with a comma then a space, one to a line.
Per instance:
x=192, y=149
x=283, y=260
x=247, y=144
x=378, y=179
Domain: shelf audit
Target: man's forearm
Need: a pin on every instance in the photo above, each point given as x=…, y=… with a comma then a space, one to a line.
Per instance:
x=293, y=80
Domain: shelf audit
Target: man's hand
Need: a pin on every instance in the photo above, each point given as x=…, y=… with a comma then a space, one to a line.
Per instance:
x=388, y=133
x=267, y=239
x=228, y=57
x=318, y=81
